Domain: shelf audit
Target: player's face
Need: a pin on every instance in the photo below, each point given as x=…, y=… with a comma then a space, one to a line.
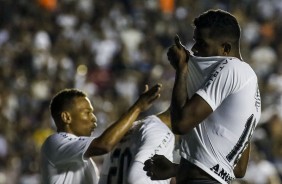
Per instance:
x=205, y=46
x=83, y=121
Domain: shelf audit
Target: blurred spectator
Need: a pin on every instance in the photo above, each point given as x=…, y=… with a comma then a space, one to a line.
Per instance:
x=50, y=5
x=263, y=59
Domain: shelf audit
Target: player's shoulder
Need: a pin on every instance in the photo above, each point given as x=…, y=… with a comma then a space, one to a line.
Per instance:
x=233, y=64
x=51, y=138
x=49, y=143
x=58, y=138
x=152, y=120
x=153, y=124
x=62, y=136
x=229, y=62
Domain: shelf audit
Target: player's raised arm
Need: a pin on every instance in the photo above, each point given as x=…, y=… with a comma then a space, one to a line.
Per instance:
x=185, y=114
x=113, y=134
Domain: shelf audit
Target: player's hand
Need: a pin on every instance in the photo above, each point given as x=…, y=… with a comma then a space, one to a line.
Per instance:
x=147, y=98
x=159, y=168
x=178, y=55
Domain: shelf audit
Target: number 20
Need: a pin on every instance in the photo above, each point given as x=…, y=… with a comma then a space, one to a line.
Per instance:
x=124, y=159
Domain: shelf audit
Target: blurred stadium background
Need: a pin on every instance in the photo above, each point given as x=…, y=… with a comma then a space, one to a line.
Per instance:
x=111, y=49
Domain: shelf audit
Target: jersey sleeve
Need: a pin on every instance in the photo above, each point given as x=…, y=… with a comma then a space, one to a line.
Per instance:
x=225, y=79
x=67, y=149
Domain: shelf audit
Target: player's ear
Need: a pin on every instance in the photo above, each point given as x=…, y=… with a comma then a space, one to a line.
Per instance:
x=226, y=48
x=66, y=117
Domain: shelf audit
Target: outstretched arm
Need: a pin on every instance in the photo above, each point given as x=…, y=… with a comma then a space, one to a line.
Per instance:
x=113, y=134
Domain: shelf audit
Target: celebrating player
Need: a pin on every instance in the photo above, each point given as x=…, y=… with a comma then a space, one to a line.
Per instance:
x=216, y=122
x=149, y=136
x=66, y=155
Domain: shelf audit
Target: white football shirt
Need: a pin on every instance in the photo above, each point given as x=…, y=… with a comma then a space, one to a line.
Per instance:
x=63, y=161
x=230, y=87
x=124, y=165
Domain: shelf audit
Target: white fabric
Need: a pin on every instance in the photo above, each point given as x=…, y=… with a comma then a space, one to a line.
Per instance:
x=199, y=68
x=63, y=162
x=125, y=164
x=230, y=87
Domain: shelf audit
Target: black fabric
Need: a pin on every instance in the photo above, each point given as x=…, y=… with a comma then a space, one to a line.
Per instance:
x=201, y=181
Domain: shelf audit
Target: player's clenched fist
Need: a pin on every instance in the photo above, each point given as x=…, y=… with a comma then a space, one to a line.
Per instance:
x=178, y=55
x=160, y=168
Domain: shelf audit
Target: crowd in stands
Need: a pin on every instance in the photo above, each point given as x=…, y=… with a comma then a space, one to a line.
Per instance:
x=111, y=49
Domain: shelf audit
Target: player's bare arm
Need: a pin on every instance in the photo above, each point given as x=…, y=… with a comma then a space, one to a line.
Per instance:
x=241, y=167
x=178, y=57
x=185, y=113
x=190, y=115
x=112, y=135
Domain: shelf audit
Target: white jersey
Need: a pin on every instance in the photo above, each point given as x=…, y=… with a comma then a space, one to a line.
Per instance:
x=63, y=161
x=230, y=87
x=124, y=165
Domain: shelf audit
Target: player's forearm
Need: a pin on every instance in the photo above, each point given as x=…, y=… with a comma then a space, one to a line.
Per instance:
x=241, y=167
x=116, y=131
x=179, y=96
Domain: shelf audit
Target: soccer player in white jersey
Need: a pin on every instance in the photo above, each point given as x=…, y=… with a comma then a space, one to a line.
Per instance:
x=149, y=136
x=66, y=155
x=216, y=122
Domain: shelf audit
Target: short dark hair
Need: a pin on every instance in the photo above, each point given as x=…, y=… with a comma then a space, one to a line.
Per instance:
x=220, y=22
x=63, y=100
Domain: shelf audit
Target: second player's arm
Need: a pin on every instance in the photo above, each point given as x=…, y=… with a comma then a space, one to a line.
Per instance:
x=113, y=134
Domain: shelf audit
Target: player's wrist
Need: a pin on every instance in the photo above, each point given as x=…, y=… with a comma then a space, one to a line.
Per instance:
x=137, y=107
